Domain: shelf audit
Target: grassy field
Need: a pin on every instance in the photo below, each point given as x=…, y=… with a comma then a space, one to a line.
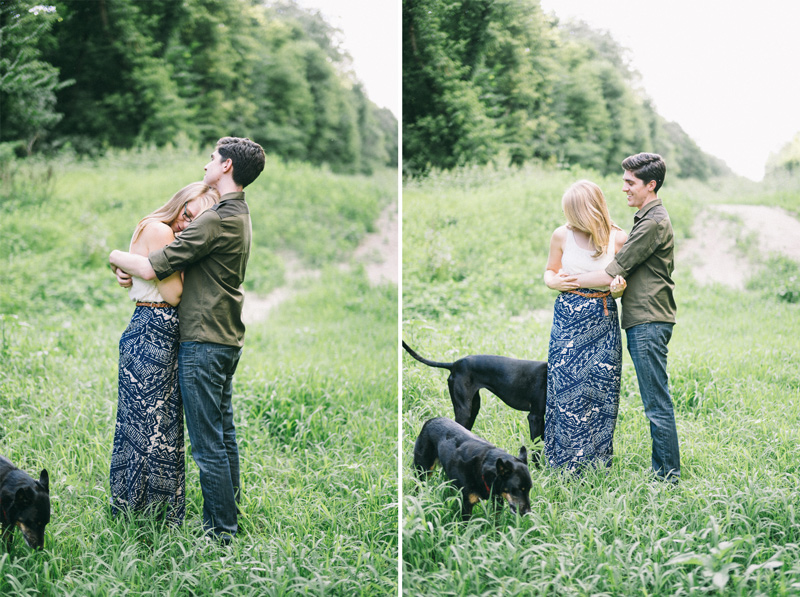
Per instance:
x=474, y=249
x=315, y=393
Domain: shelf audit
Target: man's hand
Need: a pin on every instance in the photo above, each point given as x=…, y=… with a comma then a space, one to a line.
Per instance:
x=618, y=286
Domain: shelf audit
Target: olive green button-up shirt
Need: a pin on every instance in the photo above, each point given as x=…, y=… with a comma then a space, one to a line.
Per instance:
x=212, y=252
x=646, y=261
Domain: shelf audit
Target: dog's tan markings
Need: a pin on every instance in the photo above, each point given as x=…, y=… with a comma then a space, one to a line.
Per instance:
x=474, y=498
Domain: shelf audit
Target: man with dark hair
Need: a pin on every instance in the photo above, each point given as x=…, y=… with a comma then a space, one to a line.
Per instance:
x=643, y=267
x=212, y=253
x=246, y=157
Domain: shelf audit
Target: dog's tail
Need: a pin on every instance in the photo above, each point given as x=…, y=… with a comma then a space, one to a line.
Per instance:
x=448, y=366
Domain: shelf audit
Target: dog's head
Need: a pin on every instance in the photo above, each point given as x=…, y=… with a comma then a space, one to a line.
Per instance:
x=26, y=504
x=512, y=481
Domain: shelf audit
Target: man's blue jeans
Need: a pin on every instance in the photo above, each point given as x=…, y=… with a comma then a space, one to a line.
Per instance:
x=205, y=372
x=647, y=345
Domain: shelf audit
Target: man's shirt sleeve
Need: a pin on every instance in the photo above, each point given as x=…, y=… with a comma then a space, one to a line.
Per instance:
x=194, y=243
x=642, y=243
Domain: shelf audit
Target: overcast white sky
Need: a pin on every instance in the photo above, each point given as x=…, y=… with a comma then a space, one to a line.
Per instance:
x=727, y=72
x=372, y=37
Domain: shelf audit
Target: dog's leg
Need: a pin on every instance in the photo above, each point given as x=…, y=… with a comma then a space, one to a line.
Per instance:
x=468, y=500
x=424, y=454
x=7, y=537
x=536, y=423
x=461, y=398
x=476, y=407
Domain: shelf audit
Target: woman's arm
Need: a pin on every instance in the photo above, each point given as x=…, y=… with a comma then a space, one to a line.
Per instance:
x=618, y=284
x=598, y=279
x=553, y=276
x=619, y=240
x=131, y=263
x=155, y=236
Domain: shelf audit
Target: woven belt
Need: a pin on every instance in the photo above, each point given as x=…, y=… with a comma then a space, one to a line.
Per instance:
x=155, y=305
x=599, y=294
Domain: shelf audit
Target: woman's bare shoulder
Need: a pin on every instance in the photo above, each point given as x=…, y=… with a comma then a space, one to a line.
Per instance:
x=158, y=232
x=154, y=236
x=619, y=239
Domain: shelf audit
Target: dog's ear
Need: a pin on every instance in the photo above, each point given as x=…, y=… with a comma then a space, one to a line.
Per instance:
x=503, y=468
x=523, y=455
x=44, y=480
x=23, y=497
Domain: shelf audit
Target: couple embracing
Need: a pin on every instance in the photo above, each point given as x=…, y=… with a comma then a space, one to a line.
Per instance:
x=184, y=268
x=591, y=262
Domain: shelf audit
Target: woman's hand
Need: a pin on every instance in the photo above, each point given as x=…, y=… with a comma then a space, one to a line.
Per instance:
x=618, y=286
x=123, y=278
x=561, y=281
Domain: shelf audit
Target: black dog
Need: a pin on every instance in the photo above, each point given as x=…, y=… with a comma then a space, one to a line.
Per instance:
x=24, y=503
x=478, y=468
x=520, y=384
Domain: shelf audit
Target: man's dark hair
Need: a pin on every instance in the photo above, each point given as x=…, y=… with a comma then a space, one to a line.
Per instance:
x=247, y=157
x=646, y=167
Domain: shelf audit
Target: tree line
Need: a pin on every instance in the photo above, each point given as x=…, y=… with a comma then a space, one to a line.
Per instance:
x=787, y=160
x=487, y=80
x=96, y=74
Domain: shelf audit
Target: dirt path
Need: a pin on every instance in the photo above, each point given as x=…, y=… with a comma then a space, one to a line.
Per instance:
x=379, y=252
x=717, y=252
x=728, y=240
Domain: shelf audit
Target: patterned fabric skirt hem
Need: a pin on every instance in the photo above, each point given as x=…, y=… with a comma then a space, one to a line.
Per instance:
x=148, y=458
x=583, y=382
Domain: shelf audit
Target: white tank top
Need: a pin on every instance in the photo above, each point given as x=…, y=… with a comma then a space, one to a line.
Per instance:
x=145, y=291
x=576, y=260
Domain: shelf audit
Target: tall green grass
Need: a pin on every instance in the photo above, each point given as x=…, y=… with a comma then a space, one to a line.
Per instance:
x=475, y=247
x=315, y=394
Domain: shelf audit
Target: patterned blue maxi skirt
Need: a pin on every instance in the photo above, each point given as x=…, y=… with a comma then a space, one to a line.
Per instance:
x=583, y=381
x=147, y=461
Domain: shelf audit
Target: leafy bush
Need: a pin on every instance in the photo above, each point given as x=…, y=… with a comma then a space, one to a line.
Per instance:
x=779, y=278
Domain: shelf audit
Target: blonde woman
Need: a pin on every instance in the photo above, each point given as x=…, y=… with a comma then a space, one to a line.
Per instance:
x=147, y=460
x=585, y=353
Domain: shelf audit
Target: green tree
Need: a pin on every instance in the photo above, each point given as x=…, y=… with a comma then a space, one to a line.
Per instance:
x=517, y=78
x=387, y=123
x=374, y=147
x=445, y=122
x=28, y=85
x=490, y=79
x=148, y=72
x=125, y=93
x=787, y=160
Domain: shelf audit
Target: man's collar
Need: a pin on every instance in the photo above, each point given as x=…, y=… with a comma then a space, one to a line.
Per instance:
x=645, y=208
x=234, y=195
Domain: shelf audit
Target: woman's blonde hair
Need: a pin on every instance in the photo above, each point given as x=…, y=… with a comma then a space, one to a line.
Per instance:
x=173, y=208
x=585, y=208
